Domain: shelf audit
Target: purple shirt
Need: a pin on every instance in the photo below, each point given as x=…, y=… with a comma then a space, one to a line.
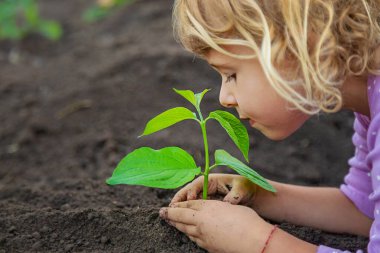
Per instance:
x=362, y=183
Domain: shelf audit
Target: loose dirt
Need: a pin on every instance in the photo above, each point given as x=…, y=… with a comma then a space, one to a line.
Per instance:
x=70, y=110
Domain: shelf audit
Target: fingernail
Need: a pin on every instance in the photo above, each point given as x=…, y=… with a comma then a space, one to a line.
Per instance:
x=162, y=212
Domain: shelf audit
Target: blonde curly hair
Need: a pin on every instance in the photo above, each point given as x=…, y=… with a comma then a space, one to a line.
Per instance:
x=327, y=40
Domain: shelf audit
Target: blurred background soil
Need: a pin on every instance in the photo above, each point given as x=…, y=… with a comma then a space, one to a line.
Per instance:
x=70, y=110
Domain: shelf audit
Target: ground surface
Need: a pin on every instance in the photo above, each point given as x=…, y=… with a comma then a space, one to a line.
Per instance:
x=70, y=110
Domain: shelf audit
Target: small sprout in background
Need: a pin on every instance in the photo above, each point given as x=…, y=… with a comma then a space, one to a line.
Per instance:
x=103, y=8
x=19, y=18
x=172, y=167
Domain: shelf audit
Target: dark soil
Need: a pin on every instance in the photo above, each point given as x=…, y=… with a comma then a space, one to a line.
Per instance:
x=70, y=110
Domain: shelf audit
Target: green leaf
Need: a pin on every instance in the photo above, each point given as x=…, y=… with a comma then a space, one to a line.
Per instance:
x=222, y=157
x=168, y=118
x=9, y=30
x=50, y=29
x=188, y=95
x=167, y=168
x=194, y=99
x=95, y=13
x=99, y=12
x=199, y=96
x=31, y=13
x=18, y=18
x=234, y=128
x=8, y=10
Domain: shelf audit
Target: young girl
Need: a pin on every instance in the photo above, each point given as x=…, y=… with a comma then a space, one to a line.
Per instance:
x=281, y=62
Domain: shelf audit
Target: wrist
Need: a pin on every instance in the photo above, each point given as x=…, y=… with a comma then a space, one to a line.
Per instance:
x=268, y=204
x=261, y=197
x=259, y=237
x=281, y=241
x=267, y=241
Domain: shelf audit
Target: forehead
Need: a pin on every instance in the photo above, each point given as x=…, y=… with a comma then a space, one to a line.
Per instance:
x=220, y=60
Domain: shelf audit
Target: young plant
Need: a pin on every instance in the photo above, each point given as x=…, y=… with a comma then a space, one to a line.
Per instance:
x=18, y=18
x=172, y=167
x=103, y=8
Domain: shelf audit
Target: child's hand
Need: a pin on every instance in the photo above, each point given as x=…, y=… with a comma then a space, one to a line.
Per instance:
x=238, y=189
x=219, y=226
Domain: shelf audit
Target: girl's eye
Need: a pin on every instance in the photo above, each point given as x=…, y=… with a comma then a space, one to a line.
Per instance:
x=230, y=78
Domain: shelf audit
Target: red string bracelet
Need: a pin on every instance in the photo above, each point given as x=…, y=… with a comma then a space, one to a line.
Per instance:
x=269, y=237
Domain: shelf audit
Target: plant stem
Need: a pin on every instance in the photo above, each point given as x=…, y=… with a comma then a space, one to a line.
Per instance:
x=207, y=160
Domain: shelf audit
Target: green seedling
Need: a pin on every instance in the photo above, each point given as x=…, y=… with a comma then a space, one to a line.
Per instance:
x=172, y=167
x=103, y=8
x=18, y=18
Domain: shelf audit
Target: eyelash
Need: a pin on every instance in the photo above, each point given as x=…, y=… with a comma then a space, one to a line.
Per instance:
x=230, y=77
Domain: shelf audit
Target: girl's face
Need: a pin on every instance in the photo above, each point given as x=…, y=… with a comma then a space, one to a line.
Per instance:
x=245, y=87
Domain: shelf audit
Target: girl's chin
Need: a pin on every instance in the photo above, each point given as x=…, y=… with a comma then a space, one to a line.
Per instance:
x=272, y=134
x=278, y=133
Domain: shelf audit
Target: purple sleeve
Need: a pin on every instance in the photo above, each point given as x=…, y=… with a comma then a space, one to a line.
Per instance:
x=357, y=183
x=324, y=249
x=374, y=162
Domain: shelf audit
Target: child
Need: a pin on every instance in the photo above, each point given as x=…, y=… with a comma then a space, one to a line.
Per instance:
x=281, y=62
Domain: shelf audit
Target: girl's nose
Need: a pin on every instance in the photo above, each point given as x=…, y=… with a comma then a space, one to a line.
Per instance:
x=226, y=98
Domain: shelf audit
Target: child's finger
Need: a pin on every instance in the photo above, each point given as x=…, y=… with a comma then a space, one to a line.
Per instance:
x=195, y=188
x=191, y=204
x=198, y=241
x=215, y=185
x=222, y=188
x=241, y=192
x=234, y=196
x=189, y=230
x=182, y=215
x=193, y=238
x=179, y=196
x=189, y=192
